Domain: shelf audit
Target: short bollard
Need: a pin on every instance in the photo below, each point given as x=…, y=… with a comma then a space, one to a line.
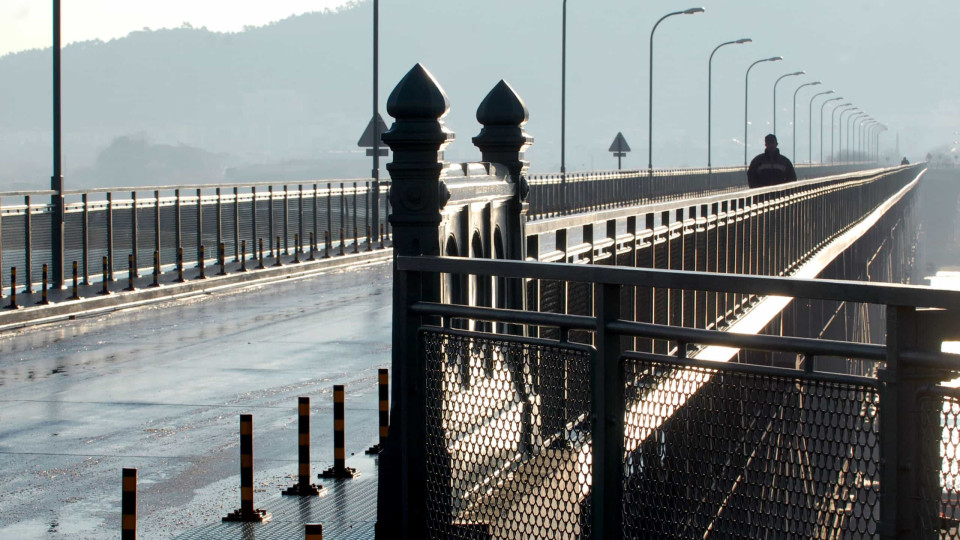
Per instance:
x=43, y=292
x=296, y=248
x=313, y=531
x=369, y=238
x=356, y=241
x=76, y=283
x=343, y=241
x=303, y=485
x=278, y=263
x=156, y=269
x=130, y=274
x=106, y=275
x=202, y=264
x=382, y=237
x=180, y=265
x=261, y=254
x=247, y=512
x=128, y=505
x=326, y=245
x=243, y=255
x=384, y=387
x=339, y=469
x=313, y=247
x=222, y=259
x=13, y=289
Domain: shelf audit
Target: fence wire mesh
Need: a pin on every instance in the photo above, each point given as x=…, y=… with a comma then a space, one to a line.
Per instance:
x=507, y=436
x=730, y=454
x=940, y=430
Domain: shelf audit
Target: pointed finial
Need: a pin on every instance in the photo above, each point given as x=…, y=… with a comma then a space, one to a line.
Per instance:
x=502, y=106
x=418, y=96
x=502, y=139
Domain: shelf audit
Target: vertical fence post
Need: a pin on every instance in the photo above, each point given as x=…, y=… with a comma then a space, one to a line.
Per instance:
x=236, y=224
x=300, y=216
x=270, y=220
x=417, y=139
x=247, y=511
x=135, y=237
x=316, y=216
x=253, y=220
x=28, y=249
x=178, y=239
x=219, y=222
x=156, y=225
x=110, y=232
x=199, y=225
x=607, y=429
x=128, y=505
x=85, y=248
x=286, y=221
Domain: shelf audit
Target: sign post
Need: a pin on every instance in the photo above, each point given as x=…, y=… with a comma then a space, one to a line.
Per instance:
x=619, y=149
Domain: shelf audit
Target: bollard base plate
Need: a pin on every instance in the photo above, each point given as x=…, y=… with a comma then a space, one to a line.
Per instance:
x=346, y=474
x=257, y=516
x=374, y=450
x=311, y=490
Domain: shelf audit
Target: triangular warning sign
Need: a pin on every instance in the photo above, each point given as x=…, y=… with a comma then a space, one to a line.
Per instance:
x=366, y=140
x=619, y=144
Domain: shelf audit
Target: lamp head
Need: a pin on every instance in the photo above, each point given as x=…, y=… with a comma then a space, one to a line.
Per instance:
x=692, y=11
x=815, y=83
x=741, y=41
x=799, y=73
x=774, y=59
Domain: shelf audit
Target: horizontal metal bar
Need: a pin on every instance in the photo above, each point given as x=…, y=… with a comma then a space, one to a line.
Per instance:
x=821, y=289
x=511, y=338
x=754, y=369
x=574, y=322
x=27, y=193
x=933, y=360
x=817, y=347
x=212, y=186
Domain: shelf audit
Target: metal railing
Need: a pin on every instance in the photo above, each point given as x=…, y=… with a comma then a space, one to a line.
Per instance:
x=531, y=436
x=117, y=222
x=557, y=194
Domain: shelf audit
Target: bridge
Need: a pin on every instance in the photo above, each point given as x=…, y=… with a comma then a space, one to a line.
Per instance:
x=606, y=355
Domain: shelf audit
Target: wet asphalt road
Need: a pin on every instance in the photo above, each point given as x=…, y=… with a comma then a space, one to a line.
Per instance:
x=161, y=389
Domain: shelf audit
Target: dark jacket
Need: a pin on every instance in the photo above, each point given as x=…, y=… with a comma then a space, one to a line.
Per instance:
x=769, y=169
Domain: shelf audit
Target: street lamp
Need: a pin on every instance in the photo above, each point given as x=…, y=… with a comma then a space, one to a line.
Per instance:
x=849, y=124
x=842, y=108
x=810, y=125
x=853, y=110
x=795, y=92
x=691, y=11
x=563, y=96
x=822, y=106
x=746, y=94
x=710, y=93
x=780, y=78
x=862, y=125
x=56, y=181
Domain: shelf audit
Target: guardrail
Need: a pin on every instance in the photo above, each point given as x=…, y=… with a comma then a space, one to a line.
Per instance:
x=556, y=194
x=117, y=222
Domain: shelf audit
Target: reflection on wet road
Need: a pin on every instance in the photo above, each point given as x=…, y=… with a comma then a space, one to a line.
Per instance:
x=161, y=389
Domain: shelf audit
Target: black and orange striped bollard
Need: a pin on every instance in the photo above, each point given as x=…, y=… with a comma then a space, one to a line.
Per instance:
x=303, y=485
x=383, y=382
x=382, y=237
x=261, y=254
x=130, y=273
x=202, y=264
x=13, y=289
x=180, y=265
x=326, y=244
x=278, y=263
x=243, y=255
x=356, y=241
x=128, y=505
x=296, y=248
x=156, y=269
x=222, y=259
x=43, y=292
x=106, y=276
x=343, y=241
x=313, y=247
x=76, y=283
x=339, y=469
x=313, y=531
x=247, y=512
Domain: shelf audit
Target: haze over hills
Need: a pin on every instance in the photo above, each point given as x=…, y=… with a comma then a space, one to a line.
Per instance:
x=290, y=99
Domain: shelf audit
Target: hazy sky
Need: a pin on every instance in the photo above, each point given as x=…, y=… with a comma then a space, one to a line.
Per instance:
x=26, y=24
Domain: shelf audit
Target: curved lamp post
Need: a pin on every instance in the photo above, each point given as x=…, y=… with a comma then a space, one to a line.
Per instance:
x=563, y=96
x=795, y=92
x=710, y=94
x=822, y=106
x=864, y=122
x=690, y=11
x=850, y=119
x=810, y=125
x=780, y=78
x=853, y=111
x=746, y=109
x=842, y=109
